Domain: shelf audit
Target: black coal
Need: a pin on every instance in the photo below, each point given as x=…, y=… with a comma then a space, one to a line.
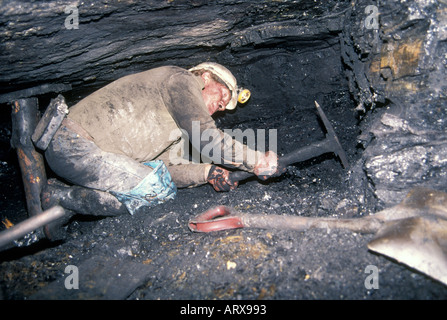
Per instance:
x=289, y=54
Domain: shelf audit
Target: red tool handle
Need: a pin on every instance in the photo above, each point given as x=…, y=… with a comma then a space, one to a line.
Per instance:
x=215, y=219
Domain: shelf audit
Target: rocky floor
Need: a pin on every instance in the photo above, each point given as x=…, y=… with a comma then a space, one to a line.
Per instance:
x=154, y=255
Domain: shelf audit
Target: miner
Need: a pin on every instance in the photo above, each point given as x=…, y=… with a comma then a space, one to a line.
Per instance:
x=125, y=140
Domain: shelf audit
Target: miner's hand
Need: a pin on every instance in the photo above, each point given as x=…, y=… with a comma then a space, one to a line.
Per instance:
x=219, y=178
x=267, y=166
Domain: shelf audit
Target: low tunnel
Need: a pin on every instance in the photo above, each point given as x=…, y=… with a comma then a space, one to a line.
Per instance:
x=377, y=70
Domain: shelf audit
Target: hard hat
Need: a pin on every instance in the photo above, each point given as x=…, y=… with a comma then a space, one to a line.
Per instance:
x=237, y=94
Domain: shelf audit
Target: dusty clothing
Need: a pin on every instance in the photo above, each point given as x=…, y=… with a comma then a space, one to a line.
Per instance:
x=79, y=160
x=133, y=120
x=82, y=162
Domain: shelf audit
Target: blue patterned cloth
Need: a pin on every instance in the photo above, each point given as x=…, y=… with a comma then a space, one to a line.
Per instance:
x=155, y=189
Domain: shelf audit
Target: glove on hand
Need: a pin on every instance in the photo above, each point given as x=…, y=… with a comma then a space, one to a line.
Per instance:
x=219, y=178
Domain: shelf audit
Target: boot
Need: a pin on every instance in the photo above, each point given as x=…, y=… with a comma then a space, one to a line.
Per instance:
x=51, y=194
x=81, y=200
x=75, y=199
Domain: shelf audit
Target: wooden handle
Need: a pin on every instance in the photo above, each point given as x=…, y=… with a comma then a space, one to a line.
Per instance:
x=240, y=175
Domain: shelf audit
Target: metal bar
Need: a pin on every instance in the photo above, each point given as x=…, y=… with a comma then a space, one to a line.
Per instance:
x=24, y=116
x=284, y=222
x=23, y=228
x=34, y=91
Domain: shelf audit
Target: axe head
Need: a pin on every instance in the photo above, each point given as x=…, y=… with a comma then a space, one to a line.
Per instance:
x=331, y=137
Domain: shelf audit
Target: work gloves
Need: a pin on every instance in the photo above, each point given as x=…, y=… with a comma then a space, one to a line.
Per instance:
x=266, y=167
x=219, y=178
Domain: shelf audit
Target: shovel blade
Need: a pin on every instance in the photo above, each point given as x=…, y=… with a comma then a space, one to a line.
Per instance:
x=418, y=242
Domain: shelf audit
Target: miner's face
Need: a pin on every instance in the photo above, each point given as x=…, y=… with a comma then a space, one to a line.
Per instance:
x=215, y=94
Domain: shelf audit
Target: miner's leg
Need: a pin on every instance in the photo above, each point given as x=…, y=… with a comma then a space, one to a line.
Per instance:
x=81, y=162
x=93, y=173
x=81, y=200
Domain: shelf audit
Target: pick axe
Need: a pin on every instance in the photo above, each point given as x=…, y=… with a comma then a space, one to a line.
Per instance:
x=330, y=144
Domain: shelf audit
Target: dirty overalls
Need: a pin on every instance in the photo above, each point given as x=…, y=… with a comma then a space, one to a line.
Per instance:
x=118, y=138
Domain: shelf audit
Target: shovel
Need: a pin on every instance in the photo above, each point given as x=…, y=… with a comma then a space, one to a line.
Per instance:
x=330, y=144
x=413, y=232
x=416, y=234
